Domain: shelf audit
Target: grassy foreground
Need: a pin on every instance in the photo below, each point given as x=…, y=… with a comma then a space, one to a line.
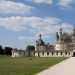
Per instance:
x=25, y=66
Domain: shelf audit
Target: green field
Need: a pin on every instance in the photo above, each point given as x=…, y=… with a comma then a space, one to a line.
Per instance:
x=25, y=65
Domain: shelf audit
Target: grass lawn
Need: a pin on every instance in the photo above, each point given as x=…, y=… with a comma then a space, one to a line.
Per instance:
x=25, y=65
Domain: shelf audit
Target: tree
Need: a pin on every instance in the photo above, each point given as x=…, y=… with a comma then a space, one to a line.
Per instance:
x=8, y=50
x=1, y=50
x=30, y=49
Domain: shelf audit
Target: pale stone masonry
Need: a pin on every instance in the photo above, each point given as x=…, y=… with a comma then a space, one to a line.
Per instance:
x=65, y=45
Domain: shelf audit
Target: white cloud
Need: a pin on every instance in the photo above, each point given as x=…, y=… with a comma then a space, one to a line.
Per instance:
x=46, y=26
x=13, y=23
x=49, y=25
x=43, y=1
x=10, y=7
x=65, y=3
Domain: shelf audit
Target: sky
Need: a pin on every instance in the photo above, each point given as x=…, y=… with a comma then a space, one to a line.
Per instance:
x=21, y=21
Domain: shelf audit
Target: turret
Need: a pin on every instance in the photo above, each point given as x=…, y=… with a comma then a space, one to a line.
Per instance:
x=60, y=31
x=40, y=41
x=57, y=36
x=60, y=34
x=40, y=37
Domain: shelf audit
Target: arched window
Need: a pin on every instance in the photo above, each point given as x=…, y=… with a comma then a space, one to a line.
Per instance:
x=52, y=53
x=57, y=53
x=69, y=53
x=65, y=53
x=61, y=53
x=43, y=53
x=47, y=53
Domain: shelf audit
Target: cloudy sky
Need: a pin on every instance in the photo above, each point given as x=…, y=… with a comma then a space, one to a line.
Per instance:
x=21, y=21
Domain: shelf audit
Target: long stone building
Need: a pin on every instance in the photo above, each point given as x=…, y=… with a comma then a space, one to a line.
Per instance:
x=64, y=46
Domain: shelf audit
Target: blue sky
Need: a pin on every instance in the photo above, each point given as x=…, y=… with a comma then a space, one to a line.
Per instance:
x=21, y=21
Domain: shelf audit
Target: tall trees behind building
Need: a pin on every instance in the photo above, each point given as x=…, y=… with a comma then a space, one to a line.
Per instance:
x=1, y=50
x=5, y=51
x=30, y=49
x=8, y=50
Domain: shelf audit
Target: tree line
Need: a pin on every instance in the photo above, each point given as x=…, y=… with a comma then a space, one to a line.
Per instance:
x=8, y=50
x=5, y=51
x=30, y=50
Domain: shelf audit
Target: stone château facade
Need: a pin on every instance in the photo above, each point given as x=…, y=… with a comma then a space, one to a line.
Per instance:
x=65, y=45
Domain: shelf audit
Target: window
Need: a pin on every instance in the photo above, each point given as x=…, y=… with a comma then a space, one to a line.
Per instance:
x=47, y=53
x=42, y=53
x=69, y=53
x=52, y=53
x=57, y=53
x=66, y=53
x=61, y=53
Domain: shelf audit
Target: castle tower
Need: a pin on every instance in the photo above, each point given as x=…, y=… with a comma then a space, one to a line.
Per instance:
x=57, y=36
x=40, y=37
x=60, y=34
x=40, y=44
x=60, y=43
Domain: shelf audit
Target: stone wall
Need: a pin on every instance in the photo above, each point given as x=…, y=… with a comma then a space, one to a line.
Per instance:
x=54, y=54
x=17, y=53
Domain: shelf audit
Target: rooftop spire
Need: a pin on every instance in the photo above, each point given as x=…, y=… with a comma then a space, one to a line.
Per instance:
x=57, y=36
x=60, y=34
x=40, y=36
x=60, y=29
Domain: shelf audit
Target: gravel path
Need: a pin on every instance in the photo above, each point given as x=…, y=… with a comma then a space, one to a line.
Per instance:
x=66, y=67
